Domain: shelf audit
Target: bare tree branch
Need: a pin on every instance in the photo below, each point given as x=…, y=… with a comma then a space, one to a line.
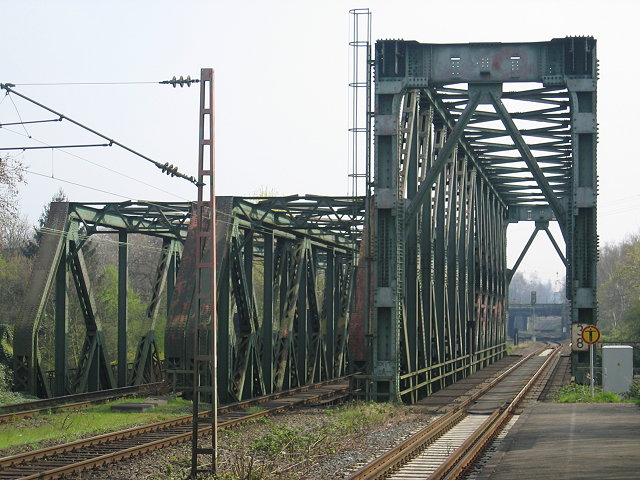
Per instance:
x=12, y=174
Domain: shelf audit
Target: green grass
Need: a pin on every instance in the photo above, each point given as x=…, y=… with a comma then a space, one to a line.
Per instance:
x=10, y=398
x=279, y=447
x=510, y=347
x=345, y=420
x=68, y=426
x=575, y=393
x=268, y=450
x=355, y=415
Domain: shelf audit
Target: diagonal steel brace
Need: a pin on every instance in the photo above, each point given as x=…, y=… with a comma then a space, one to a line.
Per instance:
x=443, y=156
x=531, y=162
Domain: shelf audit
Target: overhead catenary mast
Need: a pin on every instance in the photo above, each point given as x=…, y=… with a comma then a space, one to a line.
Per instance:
x=205, y=328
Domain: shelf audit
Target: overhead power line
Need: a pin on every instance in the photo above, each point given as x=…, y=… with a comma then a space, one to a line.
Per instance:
x=56, y=84
x=167, y=168
x=52, y=177
x=43, y=147
x=181, y=81
x=117, y=172
x=78, y=184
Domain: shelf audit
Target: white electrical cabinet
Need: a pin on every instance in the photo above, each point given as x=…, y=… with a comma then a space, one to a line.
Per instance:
x=617, y=368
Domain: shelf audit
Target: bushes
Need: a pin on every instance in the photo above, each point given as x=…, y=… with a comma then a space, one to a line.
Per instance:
x=634, y=391
x=574, y=393
x=7, y=397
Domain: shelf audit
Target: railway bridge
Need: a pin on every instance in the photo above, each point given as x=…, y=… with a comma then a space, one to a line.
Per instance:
x=404, y=287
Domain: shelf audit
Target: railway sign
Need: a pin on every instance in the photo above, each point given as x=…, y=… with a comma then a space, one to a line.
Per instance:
x=577, y=343
x=590, y=334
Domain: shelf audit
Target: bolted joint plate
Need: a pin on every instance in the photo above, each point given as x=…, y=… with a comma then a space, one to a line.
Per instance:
x=529, y=213
x=585, y=197
x=581, y=84
x=584, y=123
x=583, y=298
x=385, y=198
x=390, y=87
x=386, y=125
x=384, y=370
x=485, y=90
x=384, y=297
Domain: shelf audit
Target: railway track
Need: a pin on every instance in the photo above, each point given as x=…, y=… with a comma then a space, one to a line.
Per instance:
x=60, y=460
x=447, y=447
x=71, y=402
x=561, y=375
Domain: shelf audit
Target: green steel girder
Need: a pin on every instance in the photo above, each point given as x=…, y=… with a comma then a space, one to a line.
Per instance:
x=279, y=326
x=460, y=153
x=28, y=375
x=146, y=366
x=163, y=219
x=332, y=219
x=94, y=369
x=530, y=160
x=60, y=253
x=296, y=240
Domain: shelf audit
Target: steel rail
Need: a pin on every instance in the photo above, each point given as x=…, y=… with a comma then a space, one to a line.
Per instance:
x=409, y=448
x=68, y=402
x=235, y=416
x=464, y=456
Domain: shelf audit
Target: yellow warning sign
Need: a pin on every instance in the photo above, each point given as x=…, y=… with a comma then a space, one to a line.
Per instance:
x=590, y=334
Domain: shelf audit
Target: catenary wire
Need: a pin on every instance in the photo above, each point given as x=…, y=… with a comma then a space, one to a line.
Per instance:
x=165, y=168
x=55, y=84
x=218, y=212
x=19, y=116
x=98, y=165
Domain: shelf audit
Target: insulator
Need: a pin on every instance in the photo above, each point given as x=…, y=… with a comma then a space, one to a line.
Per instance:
x=180, y=81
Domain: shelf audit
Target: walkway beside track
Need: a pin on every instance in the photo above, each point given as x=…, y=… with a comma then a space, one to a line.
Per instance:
x=569, y=442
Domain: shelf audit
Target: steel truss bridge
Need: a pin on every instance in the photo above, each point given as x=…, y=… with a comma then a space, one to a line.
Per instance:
x=406, y=287
x=285, y=279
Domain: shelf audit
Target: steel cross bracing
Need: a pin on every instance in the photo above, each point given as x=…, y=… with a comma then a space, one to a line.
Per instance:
x=326, y=217
x=284, y=280
x=304, y=243
x=61, y=252
x=467, y=138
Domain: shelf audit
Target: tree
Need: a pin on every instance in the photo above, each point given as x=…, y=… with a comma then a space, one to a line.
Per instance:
x=521, y=287
x=14, y=235
x=15, y=268
x=11, y=175
x=628, y=329
x=14, y=276
x=619, y=286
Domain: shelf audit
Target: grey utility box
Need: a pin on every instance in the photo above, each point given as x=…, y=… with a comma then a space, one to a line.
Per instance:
x=617, y=368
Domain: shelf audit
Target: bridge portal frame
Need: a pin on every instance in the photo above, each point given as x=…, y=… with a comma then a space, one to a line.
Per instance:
x=454, y=164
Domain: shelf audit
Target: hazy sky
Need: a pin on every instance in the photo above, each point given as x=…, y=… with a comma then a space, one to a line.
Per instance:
x=281, y=92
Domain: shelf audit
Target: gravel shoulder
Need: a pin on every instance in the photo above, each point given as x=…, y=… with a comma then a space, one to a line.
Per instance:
x=336, y=454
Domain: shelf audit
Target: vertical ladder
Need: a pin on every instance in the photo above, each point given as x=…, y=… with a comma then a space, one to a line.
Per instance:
x=205, y=392
x=360, y=172
x=360, y=93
